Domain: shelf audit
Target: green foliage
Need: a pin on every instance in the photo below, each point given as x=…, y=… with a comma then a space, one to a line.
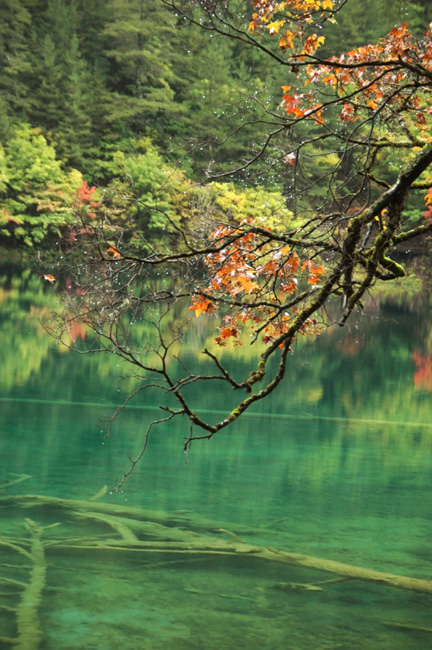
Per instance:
x=92, y=75
x=36, y=195
x=97, y=77
x=230, y=204
x=153, y=200
x=146, y=195
x=15, y=22
x=139, y=39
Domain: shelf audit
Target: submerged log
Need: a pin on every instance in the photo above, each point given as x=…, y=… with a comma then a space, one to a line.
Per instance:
x=170, y=539
x=29, y=629
x=353, y=572
x=218, y=547
x=179, y=518
x=102, y=492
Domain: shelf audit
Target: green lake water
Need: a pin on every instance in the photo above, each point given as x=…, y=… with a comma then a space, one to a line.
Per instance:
x=336, y=465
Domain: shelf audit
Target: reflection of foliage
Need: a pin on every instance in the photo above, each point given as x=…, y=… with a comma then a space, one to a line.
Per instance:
x=349, y=444
x=350, y=345
x=346, y=398
x=23, y=303
x=404, y=290
x=423, y=372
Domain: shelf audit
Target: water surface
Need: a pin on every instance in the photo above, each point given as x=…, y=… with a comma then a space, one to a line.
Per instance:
x=336, y=465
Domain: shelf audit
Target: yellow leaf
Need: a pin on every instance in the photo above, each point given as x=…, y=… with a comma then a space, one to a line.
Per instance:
x=246, y=284
x=275, y=26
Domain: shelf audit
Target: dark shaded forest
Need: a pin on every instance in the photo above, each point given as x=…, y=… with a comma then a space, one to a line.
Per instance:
x=127, y=97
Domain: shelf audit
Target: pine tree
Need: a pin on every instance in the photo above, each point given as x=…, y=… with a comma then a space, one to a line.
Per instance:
x=15, y=25
x=139, y=47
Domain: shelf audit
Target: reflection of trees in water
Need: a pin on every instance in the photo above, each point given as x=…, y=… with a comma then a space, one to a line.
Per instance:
x=24, y=343
x=366, y=371
x=423, y=371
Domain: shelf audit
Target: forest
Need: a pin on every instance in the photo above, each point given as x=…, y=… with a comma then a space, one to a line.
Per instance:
x=129, y=99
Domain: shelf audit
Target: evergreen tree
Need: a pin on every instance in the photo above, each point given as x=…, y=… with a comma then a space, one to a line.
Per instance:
x=59, y=82
x=139, y=38
x=15, y=25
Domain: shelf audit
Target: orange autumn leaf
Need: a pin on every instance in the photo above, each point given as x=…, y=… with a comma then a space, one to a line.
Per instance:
x=285, y=42
x=226, y=332
x=202, y=306
x=315, y=274
x=428, y=197
x=114, y=252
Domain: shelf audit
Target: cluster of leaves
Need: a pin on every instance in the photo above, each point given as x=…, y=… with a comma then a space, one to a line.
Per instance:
x=147, y=197
x=266, y=207
x=374, y=99
x=257, y=276
x=428, y=201
x=381, y=84
x=291, y=20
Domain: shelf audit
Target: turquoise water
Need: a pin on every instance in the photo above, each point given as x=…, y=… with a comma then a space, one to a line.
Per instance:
x=336, y=465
